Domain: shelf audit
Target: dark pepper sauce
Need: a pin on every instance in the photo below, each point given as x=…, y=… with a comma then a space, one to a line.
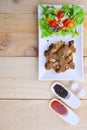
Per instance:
x=61, y=91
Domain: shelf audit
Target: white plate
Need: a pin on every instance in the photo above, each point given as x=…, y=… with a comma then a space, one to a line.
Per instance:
x=71, y=74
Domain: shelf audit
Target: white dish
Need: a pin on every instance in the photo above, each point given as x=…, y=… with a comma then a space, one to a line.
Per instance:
x=71, y=100
x=71, y=118
x=71, y=74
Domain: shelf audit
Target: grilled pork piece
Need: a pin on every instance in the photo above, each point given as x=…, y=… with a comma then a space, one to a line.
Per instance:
x=59, y=56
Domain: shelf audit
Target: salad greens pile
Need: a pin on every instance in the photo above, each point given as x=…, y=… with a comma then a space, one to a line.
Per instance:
x=60, y=22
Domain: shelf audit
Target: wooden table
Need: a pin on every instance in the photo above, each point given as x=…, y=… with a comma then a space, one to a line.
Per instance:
x=23, y=99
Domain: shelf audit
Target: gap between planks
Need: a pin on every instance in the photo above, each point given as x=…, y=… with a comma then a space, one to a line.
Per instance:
x=19, y=79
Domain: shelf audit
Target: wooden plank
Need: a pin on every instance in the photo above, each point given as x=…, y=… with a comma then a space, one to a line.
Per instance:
x=27, y=6
x=21, y=23
x=35, y=114
x=18, y=35
x=19, y=79
x=18, y=44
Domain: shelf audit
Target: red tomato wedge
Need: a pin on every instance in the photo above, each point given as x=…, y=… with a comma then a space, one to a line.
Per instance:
x=58, y=107
x=60, y=14
x=66, y=22
x=53, y=23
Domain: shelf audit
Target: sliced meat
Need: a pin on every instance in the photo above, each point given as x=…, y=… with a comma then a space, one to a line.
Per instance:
x=46, y=53
x=69, y=59
x=68, y=53
x=60, y=44
x=71, y=42
x=56, y=66
x=71, y=65
x=48, y=65
x=59, y=56
x=51, y=57
x=71, y=46
x=52, y=48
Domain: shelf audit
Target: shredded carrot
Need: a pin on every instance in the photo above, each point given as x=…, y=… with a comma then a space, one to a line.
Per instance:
x=48, y=20
x=72, y=23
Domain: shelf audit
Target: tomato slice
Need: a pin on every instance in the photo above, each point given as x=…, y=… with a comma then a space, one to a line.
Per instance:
x=58, y=107
x=60, y=14
x=53, y=23
x=66, y=22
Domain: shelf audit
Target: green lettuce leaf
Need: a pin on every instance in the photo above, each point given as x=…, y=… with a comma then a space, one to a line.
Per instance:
x=66, y=10
x=78, y=14
x=46, y=30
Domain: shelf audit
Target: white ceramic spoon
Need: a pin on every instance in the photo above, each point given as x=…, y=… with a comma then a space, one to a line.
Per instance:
x=70, y=117
x=71, y=100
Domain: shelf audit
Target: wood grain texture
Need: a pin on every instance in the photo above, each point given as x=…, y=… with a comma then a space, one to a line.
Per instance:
x=36, y=115
x=27, y=6
x=19, y=35
x=22, y=23
x=18, y=44
x=19, y=79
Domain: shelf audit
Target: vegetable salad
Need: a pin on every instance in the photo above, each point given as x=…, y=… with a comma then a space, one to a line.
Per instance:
x=60, y=21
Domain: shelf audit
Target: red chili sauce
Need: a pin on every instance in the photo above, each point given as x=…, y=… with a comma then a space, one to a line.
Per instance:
x=58, y=107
